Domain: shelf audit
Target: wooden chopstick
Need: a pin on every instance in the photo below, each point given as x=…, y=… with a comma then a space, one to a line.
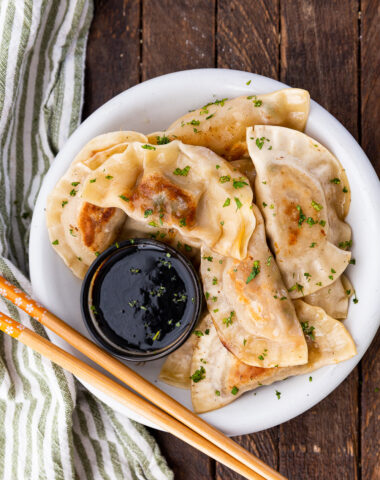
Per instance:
x=135, y=381
x=139, y=405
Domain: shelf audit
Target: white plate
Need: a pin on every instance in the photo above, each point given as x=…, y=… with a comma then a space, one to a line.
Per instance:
x=153, y=105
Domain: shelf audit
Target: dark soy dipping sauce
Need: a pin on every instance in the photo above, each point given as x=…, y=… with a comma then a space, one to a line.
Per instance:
x=140, y=300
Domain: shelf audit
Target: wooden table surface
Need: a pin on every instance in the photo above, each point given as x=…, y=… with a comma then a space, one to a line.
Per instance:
x=330, y=48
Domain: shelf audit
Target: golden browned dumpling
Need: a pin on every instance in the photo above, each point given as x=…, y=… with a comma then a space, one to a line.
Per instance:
x=250, y=306
x=221, y=125
x=79, y=230
x=222, y=377
x=187, y=188
x=303, y=193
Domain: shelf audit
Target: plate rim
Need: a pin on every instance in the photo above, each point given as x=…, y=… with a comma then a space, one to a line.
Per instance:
x=369, y=172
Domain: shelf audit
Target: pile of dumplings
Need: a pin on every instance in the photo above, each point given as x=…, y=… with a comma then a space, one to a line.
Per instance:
x=259, y=208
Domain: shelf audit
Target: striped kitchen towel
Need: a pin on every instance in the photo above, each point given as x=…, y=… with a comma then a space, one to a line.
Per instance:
x=50, y=426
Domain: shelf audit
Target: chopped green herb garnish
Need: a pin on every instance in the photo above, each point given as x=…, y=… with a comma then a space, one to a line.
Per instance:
x=269, y=259
x=214, y=281
x=352, y=261
x=312, y=245
x=322, y=222
x=316, y=206
x=148, y=147
x=227, y=202
x=75, y=184
x=123, y=197
x=335, y=180
x=64, y=202
x=265, y=204
x=239, y=183
x=228, y=320
x=198, y=333
x=278, y=394
x=182, y=222
x=254, y=272
x=198, y=375
x=346, y=244
x=249, y=82
x=162, y=140
x=217, y=393
x=207, y=258
x=109, y=177
x=55, y=242
x=224, y=179
x=302, y=216
x=260, y=142
x=73, y=192
x=308, y=330
x=93, y=309
x=93, y=180
x=182, y=172
x=345, y=190
x=156, y=335
x=238, y=203
x=148, y=212
x=234, y=390
x=297, y=287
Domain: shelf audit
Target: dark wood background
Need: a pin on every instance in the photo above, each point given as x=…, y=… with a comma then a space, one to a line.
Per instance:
x=330, y=48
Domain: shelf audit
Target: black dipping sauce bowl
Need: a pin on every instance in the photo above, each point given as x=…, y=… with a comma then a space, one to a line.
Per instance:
x=141, y=299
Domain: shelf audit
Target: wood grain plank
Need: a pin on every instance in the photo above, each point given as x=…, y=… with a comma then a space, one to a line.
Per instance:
x=177, y=35
x=319, y=52
x=370, y=80
x=113, y=51
x=248, y=39
x=370, y=120
x=319, y=45
x=248, y=36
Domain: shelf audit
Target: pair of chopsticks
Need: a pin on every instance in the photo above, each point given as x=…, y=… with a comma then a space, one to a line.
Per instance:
x=161, y=409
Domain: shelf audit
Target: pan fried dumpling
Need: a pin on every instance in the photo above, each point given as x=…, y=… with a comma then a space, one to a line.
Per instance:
x=176, y=369
x=221, y=125
x=333, y=299
x=250, y=305
x=225, y=378
x=188, y=188
x=303, y=193
x=77, y=229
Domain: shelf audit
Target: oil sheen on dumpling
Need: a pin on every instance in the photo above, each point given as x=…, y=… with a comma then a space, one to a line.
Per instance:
x=303, y=193
x=178, y=186
x=79, y=230
x=221, y=125
x=225, y=378
x=250, y=305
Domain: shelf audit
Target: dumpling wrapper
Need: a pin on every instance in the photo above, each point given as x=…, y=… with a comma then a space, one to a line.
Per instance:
x=332, y=344
x=178, y=186
x=221, y=125
x=77, y=229
x=253, y=315
x=176, y=370
x=333, y=299
x=302, y=205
